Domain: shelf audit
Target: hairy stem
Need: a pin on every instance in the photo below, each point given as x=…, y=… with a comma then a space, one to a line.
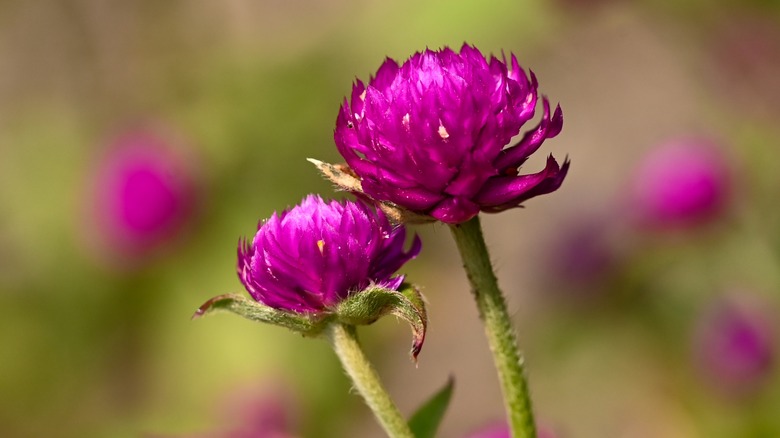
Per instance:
x=498, y=326
x=344, y=340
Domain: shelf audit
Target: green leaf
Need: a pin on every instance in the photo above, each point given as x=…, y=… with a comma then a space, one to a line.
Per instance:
x=413, y=311
x=426, y=420
x=365, y=307
x=305, y=324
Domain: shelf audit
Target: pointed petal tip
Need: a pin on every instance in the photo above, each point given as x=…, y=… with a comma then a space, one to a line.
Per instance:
x=534, y=81
x=416, y=247
x=416, y=348
x=565, y=166
x=556, y=122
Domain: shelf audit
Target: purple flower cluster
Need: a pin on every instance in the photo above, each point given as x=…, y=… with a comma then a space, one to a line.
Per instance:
x=427, y=138
x=312, y=256
x=430, y=135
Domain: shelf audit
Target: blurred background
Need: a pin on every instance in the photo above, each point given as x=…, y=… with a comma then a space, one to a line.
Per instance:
x=140, y=140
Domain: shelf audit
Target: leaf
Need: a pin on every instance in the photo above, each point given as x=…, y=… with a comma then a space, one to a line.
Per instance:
x=365, y=307
x=425, y=422
x=415, y=314
x=252, y=310
x=339, y=174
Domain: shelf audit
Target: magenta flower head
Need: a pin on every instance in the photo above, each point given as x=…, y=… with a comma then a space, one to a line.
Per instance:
x=311, y=257
x=735, y=346
x=321, y=262
x=145, y=193
x=683, y=182
x=429, y=136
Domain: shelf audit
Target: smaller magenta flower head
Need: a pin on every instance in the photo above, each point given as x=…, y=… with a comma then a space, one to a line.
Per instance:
x=429, y=136
x=313, y=256
x=322, y=262
x=682, y=182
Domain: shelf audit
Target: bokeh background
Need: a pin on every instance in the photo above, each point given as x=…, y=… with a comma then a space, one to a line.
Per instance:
x=635, y=324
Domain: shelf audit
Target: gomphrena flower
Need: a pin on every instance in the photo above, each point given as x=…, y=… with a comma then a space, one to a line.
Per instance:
x=735, y=345
x=683, y=182
x=145, y=192
x=430, y=136
x=309, y=258
x=322, y=265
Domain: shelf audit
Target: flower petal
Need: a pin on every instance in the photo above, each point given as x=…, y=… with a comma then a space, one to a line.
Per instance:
x=504, y=192
x=413, y=198
x=512, y=157
x=455, y=210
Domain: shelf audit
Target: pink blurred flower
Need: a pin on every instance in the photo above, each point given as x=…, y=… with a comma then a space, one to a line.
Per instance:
x=263, y=410
x=144, y=193
x=582, y=256
x=502, y=431
x=680, y=183
x=734, y=345
x=254, y=410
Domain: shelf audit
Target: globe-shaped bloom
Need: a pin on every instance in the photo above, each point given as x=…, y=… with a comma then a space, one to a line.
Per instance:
x=735, y=346
x=145, y=193
x=430, y=135
x=309, y=258
x=682, y=182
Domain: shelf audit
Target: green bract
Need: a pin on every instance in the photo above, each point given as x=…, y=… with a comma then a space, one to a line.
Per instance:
x=360, y=308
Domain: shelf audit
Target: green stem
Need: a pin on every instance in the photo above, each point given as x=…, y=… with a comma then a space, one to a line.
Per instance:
x=498, y=326
x=344, y=340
